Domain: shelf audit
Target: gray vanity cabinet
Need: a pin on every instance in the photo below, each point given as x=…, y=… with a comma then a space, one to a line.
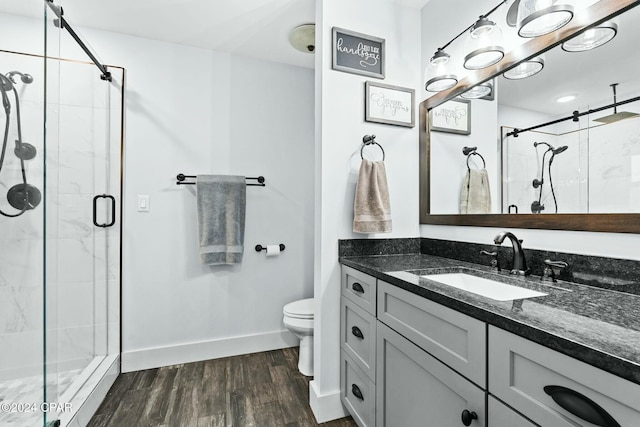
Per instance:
x=501, y=415
x=358, y=345
x=526, y=375
x=415, y=389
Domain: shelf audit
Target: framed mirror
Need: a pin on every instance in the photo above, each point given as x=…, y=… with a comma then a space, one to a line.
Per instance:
x=597, y=168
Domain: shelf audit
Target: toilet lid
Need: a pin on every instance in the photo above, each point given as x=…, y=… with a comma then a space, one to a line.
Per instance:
x=302, y=309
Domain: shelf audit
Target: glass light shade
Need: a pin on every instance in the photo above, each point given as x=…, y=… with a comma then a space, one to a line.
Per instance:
x=538, y=17
x=437, y=77
x=484, y=44
x=592, y=38
x=525, y=69
x=439, y=58
x=440, y=83
x=478, y=91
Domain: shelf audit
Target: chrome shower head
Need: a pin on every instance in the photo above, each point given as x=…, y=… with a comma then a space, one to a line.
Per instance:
x=25, y=78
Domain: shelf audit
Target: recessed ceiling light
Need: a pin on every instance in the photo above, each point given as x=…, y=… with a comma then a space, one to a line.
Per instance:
x=566, y=98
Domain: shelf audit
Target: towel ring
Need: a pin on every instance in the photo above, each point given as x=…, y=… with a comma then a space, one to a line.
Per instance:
x=484, y=164
x=370, y=140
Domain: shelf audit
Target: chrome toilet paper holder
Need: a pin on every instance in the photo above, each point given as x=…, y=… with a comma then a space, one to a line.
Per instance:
x=260, y=248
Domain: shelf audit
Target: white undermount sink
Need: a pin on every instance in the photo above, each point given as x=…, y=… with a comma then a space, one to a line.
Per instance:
x=485, y=287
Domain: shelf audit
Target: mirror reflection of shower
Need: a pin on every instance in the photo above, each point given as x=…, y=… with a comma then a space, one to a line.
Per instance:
x=537, y=206
x=22, y=196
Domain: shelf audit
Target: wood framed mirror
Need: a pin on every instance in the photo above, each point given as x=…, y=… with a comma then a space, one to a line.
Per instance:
x=597, y=13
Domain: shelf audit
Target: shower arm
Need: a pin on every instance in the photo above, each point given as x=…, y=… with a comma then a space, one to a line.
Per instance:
x=575, y=116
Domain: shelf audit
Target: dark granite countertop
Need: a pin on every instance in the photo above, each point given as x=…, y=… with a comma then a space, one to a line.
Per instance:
x=597, y=326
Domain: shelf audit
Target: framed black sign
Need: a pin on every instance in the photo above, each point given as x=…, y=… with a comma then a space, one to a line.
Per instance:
x=358, y=53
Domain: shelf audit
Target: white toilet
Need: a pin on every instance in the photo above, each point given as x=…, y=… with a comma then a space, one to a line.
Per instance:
x=298, y=318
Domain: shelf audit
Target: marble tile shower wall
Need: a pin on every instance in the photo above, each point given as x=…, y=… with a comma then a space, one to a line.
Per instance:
x=77, y=126
x=599, y=173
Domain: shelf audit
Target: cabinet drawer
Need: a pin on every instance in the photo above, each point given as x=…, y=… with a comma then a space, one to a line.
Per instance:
x=415, y=389
x=358, y=336
x=357, y=392
x=501, y=415
x=456, y=339
x=359, y=288
x=519, y=370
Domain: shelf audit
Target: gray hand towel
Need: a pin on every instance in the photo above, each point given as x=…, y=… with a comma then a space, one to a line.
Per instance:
x=221, y=203
x=475, y=195
x=371, y=207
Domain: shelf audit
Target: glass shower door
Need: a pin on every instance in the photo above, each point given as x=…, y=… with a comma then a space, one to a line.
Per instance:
x=82, y=251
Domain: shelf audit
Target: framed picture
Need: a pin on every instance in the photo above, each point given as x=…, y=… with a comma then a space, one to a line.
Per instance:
x=358, y=53
x=453, y=116
x=391, y=105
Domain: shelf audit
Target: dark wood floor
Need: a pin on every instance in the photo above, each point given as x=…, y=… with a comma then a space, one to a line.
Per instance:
x=260, y=389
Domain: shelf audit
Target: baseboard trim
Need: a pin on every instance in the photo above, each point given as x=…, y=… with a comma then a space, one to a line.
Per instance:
x=326, y=407
x=149, y=358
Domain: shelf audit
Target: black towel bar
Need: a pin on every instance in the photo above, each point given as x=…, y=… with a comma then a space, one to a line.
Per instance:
x=181, y=180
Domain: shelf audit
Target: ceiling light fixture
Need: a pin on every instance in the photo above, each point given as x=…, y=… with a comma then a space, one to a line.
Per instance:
x=303, y=38
x=567, y=98
x=525, y=69
x=539, y=17
x=592, y=38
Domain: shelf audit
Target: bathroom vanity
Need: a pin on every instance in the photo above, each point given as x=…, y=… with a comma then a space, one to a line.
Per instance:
x=415, y=351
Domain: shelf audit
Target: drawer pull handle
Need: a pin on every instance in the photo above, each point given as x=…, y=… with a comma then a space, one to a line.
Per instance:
x=580, y=406
x=468, y=417
x=356, y=392
x=357, y=332
x=357, y=287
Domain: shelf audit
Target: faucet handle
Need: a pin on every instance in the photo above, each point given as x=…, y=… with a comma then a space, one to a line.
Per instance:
x=494, y=259
x=548, y=275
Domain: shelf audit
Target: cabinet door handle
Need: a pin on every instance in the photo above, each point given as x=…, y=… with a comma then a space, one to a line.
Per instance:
x=357, y=332
x=356, y=392
x=580, y=406
x=357, y=287
x=468, y=417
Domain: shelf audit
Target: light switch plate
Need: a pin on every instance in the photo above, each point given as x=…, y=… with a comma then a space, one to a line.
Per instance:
x=143, y=203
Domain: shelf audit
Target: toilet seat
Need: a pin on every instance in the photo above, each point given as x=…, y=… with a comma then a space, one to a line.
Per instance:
x=302, y=309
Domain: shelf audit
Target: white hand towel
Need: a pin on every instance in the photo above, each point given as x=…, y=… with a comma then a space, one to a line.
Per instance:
x=475, y=195
x=371, y=207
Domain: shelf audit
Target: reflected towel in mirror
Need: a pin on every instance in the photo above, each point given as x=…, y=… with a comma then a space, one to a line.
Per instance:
x=475, y=195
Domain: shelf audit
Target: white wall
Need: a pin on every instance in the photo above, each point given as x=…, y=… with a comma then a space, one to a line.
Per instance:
x=340, y=127
x=197, y=111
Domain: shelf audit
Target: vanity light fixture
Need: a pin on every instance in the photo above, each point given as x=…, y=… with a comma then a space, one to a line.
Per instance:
x=484, y=44
x=478, y=91
x=538, y=17
x=525, y=69
x=440, y=80
x=592, y=38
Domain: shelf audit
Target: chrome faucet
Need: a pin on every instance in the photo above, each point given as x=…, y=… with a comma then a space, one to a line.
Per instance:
x=519, y=263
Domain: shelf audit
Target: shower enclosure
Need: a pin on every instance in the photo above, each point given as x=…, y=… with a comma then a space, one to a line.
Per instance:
x=60, y=228
x=595, y=166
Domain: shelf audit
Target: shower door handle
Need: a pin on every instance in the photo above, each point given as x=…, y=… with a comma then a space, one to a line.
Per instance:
x=95, y=210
